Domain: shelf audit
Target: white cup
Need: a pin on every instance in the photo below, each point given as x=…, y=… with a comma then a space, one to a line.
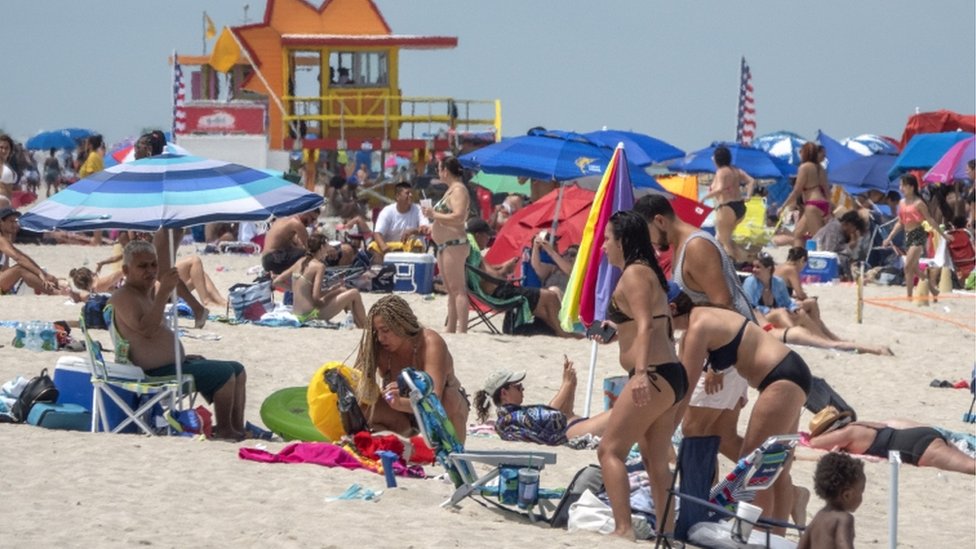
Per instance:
x=741, y=529
x=426, y=203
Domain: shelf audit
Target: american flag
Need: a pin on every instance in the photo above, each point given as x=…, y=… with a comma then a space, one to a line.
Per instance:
x=179, y=97
x=745, y=128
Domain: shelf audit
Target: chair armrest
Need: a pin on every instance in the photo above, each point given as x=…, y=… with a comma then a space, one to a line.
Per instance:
x=763, y=523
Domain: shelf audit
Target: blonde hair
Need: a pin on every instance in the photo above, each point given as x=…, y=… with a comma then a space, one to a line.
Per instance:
x=401, y=320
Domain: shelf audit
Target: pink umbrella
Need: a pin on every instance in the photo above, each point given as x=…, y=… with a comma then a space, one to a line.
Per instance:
x=952, y=165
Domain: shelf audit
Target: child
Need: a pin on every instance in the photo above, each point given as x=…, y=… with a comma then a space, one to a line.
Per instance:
x=839, y=480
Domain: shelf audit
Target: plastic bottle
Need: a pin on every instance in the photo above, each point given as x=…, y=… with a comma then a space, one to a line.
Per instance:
x=348, y=323
x=49, y=341
x=33, y=336
x=20, y=335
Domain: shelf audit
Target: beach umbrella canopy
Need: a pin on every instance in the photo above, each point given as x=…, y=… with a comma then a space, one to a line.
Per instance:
x=642, y=149
x=868, y=144
x=924, y=150
x=837, y=154
x=549, y=156
x=523, y=225
x=127, y=153
x=952, y=165
x=77, y=133
x=496, y=183
x=58, y=139
x=169, y=191
x=782, y=144
x=864, y=174
x=755, y=162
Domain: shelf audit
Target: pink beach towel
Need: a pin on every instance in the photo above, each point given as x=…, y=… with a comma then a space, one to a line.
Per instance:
x=319, y=453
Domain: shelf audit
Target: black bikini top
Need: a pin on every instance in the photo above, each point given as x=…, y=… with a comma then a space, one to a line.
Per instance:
x=727, y=355
x=618, y=317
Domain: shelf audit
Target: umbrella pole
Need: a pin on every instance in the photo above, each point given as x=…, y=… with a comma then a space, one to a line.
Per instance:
x=555, y=218
x=590, y=380
x=174, y=324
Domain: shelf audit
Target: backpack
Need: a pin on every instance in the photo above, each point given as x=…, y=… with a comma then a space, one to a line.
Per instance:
x=38, y=389
x=383, y=281
x=93, y=311
x=588, y=478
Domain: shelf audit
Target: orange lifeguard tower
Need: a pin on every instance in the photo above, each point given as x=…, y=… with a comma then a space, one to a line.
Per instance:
x=328, y=76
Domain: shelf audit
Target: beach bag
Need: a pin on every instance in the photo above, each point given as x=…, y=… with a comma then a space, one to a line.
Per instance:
x=250, y=301
x=332, y=404
x=383, y=281
x=38, y=389
x=93, y=310
x=588, y=478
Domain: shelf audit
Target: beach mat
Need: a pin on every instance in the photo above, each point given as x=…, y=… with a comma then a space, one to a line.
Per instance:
x=823, y=395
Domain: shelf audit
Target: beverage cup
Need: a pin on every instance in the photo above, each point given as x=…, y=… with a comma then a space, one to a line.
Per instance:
x=741, y=529
x=426, y=203
x=387, y=458
x=528, y=487
x=811, y=245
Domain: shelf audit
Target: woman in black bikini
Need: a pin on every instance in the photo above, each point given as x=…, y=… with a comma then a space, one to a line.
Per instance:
x=645, y=411
x=918, y=444
x=726, y=339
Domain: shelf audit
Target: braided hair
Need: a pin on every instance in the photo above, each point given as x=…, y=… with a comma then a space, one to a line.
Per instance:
x=401, y=320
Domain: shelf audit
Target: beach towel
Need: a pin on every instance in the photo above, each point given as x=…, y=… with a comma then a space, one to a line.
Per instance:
x=319, y=453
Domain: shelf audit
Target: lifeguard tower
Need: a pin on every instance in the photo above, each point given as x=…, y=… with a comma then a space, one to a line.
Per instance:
x=327, y=79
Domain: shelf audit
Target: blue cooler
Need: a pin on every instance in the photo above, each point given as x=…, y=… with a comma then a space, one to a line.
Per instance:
x=821, y=267
x=72, y=377
x=414, y=272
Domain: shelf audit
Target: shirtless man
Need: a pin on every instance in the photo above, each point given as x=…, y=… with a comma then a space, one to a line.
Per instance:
x=139, y=308
x=285, y=241
x=702, y=268
x=26, y=269
x=727, y=192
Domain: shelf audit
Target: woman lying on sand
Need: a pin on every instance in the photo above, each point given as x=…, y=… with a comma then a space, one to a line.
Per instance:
x=552, y=424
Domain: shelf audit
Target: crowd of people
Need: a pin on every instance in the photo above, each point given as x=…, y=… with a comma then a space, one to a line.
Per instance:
x=693, y=336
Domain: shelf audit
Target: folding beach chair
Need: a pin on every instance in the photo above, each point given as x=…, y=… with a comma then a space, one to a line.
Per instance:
x=487, y=307
x=696, y=467
x=751, y=233
x=160, y=392
x=440, y=435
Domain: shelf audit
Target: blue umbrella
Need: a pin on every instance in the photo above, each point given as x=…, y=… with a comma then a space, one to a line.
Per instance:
x=77, y=133
x=837, y=154
x=169, y=191
x=867, y=144
x=864, y=173
x=58, y=139
x=753, y=161
x=642, y=150
x=783, y=145
x=550, y=156
x=924, y=150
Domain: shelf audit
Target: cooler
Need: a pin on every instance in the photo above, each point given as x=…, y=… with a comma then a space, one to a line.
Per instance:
x=414, y=272
x=821, y=267
x=72, y=377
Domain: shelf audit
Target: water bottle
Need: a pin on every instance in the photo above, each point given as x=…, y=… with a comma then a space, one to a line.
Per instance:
x=34, y=336
x=20, y=335
x=49, y=340
x=348, y=323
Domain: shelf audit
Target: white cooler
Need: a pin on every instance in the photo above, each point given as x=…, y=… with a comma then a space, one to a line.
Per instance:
x=414, y=272
x=72, y=377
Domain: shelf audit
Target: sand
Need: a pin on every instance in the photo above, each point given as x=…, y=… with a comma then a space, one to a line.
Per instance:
x=100, y=490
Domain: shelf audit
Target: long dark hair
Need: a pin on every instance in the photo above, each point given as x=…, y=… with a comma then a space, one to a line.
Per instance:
x=630, y=229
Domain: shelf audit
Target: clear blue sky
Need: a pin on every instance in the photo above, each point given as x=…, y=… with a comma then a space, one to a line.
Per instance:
x=669, y=69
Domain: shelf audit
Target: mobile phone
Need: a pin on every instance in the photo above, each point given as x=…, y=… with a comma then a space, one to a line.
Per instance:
x=598, y=329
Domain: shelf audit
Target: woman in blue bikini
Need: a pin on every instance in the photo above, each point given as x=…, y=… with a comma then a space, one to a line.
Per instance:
x=448, y=232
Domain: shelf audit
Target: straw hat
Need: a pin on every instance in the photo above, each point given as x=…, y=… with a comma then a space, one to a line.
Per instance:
x=828, y=419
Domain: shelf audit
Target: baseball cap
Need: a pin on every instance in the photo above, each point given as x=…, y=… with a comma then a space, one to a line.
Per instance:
x=7, y=212
x=476, y=226
x=500, y=378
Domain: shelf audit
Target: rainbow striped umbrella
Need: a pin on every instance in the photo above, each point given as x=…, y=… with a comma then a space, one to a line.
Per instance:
x=169, y=191
x=593, y=278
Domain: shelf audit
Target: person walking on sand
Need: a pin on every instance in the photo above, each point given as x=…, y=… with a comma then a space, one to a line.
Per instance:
x=730, y=202
x=810, y=185
x=913, y=214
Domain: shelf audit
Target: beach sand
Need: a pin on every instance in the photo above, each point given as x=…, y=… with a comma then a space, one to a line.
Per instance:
x=67, y=489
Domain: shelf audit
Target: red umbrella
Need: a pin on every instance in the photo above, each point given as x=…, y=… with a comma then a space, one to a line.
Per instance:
x=524, y=224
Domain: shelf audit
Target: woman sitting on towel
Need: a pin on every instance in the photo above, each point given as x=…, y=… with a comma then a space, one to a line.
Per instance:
x=722, y=338
x=393, y=339
x=645, y=410
x=552, y=424
x=767, y=293
x=918, y=444
x=313, y=300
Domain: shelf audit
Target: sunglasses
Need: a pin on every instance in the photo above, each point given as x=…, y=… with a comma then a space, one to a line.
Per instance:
x=517, y=386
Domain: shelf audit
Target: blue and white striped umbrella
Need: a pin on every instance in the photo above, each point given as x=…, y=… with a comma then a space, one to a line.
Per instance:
x=169, y=191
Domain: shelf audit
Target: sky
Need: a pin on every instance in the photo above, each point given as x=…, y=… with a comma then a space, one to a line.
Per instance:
x=668, y=69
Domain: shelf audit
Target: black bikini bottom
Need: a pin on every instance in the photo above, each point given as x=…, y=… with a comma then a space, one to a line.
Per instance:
x=791, y=368
x=672, y=372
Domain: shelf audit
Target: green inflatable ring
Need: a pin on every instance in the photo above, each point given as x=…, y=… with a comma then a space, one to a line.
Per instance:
x=285, y=413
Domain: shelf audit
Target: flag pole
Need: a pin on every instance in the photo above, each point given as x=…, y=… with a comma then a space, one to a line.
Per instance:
x=590, y=380
x=203, y=35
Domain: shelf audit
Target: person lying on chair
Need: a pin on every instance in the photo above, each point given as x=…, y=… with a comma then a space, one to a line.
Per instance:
x=551, y=424
x=543, y=302
x=139, y=322
x=393, y=339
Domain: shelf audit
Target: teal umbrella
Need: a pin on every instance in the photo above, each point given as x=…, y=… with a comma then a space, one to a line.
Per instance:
x=497, y=183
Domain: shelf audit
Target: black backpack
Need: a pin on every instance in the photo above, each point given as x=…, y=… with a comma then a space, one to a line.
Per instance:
x=351, y=415
x=383, y=281
x=588, y=478
x=39, y=389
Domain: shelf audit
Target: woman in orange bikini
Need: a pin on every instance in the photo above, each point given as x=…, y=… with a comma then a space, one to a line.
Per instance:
x=811, y=184
x=912, y=212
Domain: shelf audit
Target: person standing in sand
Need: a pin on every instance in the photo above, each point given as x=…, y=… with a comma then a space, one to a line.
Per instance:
x=730, y=206
x=912, y=215
x=811, y=185
x=705, y=272
x=138, y=315
x=286, y=241
x=393, y=339
x=448, y=232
